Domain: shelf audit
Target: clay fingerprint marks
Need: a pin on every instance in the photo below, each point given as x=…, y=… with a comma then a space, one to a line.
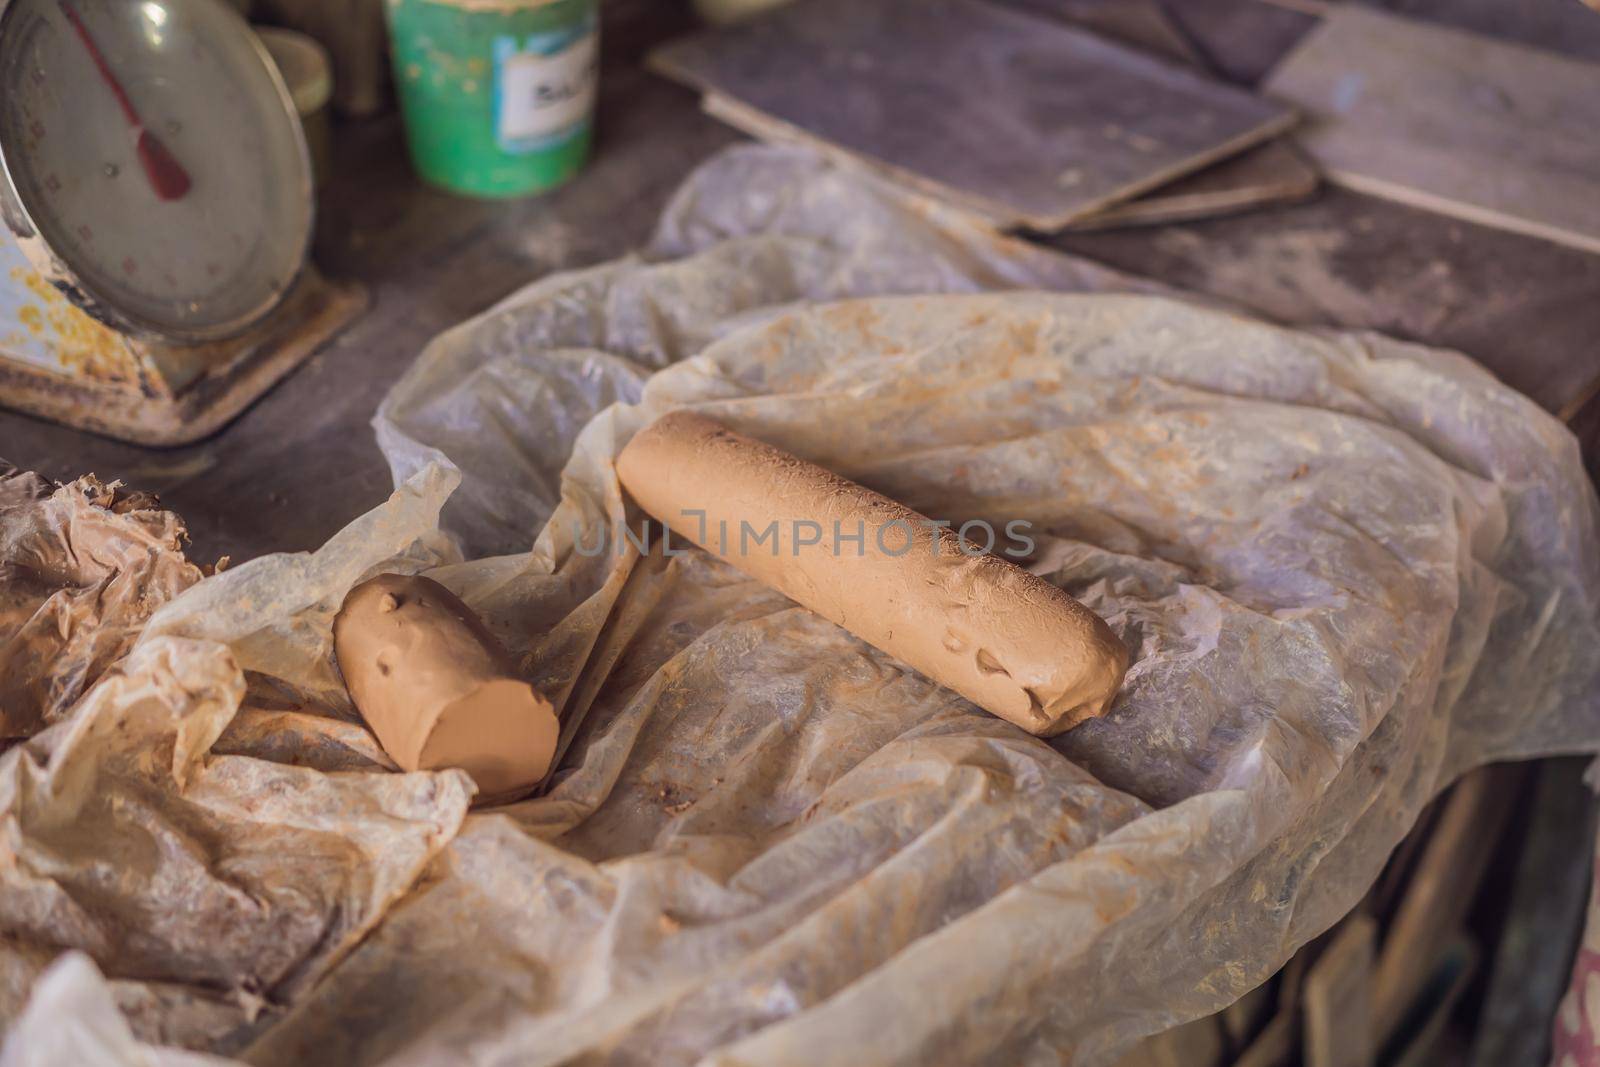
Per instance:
x=242, y=876
x=1011, y=643
x=82, y=566
x=437, y=688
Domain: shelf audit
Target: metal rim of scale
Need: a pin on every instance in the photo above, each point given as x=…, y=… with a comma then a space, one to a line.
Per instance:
x=265, y=269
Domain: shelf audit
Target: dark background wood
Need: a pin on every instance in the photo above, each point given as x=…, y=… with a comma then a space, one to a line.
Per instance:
x=302, y=462
x=994, y=109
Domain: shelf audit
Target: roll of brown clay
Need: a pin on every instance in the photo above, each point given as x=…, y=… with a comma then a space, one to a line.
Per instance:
x=436, y=688
x=1005, y=639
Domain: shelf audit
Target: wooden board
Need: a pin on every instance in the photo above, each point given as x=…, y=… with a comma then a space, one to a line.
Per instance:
x=1275, y=172
x=1246, y=1017
x=1528, y=309
x=1272, y=173
x=1424, y=1036
x=1441, y=891
x=1141, y=24
x=1021, y=120
x=1197, y=1043
x=1452, y=122
x=1274, y=1045
x=1544, y=923
x=1338, y=998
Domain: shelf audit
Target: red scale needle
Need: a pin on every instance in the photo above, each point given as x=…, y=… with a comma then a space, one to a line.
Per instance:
x=167, y=177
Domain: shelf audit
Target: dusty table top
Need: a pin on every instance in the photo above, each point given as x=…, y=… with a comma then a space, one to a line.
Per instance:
x=302, y=462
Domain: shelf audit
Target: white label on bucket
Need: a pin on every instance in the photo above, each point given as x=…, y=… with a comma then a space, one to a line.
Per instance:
x=546, y=94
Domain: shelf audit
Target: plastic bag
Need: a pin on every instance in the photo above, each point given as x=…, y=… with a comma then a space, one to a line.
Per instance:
x=1348, y=568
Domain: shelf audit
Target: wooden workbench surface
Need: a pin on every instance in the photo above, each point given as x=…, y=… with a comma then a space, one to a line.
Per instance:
x=303, y=462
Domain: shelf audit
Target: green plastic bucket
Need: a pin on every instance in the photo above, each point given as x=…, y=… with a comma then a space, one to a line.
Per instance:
x=498, y=95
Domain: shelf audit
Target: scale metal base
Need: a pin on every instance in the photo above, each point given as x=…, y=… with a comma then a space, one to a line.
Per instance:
x=164, y=395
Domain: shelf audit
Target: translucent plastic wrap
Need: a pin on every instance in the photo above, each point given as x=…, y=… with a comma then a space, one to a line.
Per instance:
x=82, y=567
x=1348, y=569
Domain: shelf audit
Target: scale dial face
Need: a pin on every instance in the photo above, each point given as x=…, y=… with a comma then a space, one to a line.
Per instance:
x=155, y=151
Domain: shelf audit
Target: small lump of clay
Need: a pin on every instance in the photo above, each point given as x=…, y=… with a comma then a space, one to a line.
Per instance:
x=437, y=688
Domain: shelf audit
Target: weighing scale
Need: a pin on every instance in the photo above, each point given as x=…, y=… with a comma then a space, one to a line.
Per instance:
x=157, y=199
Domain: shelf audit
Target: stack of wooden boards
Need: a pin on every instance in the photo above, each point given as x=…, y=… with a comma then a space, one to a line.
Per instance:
x=1449, y=121
x=1037, y=114
x=1056, y=115
x=1380, y=986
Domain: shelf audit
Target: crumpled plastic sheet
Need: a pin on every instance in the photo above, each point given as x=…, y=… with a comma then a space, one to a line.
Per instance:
x=1348, y=569
x=82, y=567
x=154, y=819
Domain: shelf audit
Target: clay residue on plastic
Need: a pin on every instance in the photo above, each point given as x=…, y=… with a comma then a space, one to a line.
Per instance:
x=301, y=737
x=82, y=566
